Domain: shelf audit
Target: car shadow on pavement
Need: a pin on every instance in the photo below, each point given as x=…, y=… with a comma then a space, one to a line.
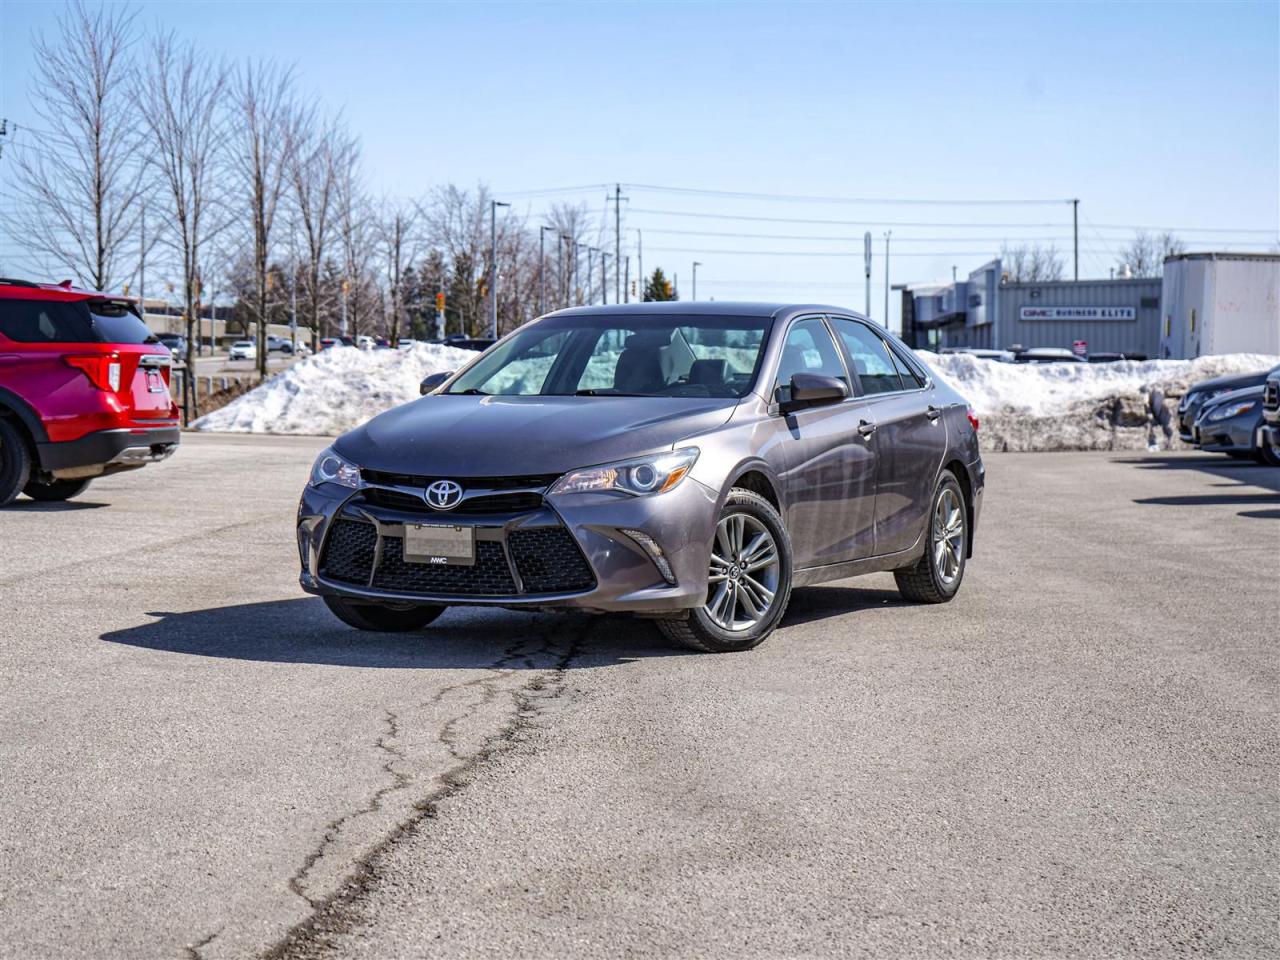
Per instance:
x=1240, y=472
x=830, y=600
x=55, y=506
x=303, y=631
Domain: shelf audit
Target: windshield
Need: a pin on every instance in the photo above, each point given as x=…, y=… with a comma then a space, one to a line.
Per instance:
x=633, y=356
x=74, y=321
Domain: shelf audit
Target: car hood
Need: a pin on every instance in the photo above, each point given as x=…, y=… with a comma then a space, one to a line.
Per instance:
x=468, y=436
x=1234, y=382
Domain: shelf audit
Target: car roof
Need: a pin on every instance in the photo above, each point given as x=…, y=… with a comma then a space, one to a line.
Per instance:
x=706, y=308
x=11, y=289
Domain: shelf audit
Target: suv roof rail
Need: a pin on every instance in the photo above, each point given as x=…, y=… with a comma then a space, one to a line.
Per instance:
x=18, y=283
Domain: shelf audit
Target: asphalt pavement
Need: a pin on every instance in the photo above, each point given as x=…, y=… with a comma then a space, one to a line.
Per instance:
x=1075, y=758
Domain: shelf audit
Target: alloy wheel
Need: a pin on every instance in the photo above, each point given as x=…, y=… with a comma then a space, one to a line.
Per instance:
x=948, y=536
x=744, y=573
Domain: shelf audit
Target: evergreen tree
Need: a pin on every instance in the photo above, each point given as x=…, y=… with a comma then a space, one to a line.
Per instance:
x=658, y=287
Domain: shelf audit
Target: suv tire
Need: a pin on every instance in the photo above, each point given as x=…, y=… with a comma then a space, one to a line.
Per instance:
x=383, y=619
x=698, y=629
x=55, y=490
x=15, y=462
x=936, y=576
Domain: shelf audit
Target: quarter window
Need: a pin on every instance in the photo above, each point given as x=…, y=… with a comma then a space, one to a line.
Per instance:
x=808, y=349
x=872, y=360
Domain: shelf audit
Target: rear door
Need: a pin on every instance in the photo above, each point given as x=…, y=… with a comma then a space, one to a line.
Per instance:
x=830, y=465
x=910, y=434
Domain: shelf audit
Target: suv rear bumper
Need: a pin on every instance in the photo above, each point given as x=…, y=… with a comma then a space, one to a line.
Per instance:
x=107, y=451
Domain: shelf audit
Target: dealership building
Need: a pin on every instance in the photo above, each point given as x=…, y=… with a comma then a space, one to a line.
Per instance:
x=1205, y=303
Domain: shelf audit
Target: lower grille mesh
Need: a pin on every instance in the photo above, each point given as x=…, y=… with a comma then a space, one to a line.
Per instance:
x=548, y=559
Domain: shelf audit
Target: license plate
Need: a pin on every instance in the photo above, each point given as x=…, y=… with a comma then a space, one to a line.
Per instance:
x=155, y=382
x=439, y=544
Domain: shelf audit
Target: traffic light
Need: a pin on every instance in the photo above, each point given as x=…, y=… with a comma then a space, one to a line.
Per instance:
x=633, y=288
x=440, y=302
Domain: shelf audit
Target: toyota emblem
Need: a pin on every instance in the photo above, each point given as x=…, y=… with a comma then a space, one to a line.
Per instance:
x=443, y=495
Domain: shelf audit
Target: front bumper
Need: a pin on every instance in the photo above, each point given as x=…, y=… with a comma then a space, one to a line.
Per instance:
x=1234, y=435
x=623, y=577
x=108, y=451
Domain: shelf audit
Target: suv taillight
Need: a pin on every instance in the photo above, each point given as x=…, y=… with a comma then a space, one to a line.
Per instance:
x=973, y=419
x=103, y=370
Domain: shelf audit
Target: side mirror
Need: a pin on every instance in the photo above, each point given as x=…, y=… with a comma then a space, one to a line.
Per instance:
x=431, y=382
x=813, y=390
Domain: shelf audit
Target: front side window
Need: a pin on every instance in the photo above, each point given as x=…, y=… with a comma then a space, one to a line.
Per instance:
x=808, y=349
x=870, y=355
x=623, y=355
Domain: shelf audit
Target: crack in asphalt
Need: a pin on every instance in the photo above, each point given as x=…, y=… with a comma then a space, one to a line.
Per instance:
x=334, y=912
x=193, y=951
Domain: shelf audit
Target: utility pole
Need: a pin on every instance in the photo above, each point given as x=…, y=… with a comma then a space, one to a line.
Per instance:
x=626, y=282
x=293, y=287
x=1075, y=232
x=493, y=262
x=562, y=290
x=576, y=294
x=617, y=239
x=866, y=267
x=591, y=286
x=142, y=269
x=887, y=235
x=604, y=277
x=696, y=265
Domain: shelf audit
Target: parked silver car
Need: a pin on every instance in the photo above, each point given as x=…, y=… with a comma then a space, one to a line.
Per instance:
x=685, y=462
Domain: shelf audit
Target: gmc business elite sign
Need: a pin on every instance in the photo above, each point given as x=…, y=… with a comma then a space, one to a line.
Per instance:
x=1078, y=313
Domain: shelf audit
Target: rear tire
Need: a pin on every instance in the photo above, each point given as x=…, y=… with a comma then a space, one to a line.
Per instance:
x=15, y=462
x=936, y=576
x=55, y=490
x=382, y=619
x=698, y=629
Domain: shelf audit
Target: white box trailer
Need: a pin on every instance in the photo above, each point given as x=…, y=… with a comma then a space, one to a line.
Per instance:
x=1216, y=303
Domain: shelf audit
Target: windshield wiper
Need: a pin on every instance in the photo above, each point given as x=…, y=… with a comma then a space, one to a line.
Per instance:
x=606, y=393
x=470, y=392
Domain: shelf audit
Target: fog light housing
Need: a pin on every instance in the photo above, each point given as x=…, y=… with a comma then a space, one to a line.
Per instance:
x=650, y=546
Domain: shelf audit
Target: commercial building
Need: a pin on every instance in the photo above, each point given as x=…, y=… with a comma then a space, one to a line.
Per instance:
x=987, y=311
x=1206, y=303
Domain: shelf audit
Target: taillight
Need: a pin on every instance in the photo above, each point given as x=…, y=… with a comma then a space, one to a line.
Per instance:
x=103, y=370
x=973, y=419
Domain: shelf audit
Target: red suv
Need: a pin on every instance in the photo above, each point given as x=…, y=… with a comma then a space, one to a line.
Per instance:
x=84, y=390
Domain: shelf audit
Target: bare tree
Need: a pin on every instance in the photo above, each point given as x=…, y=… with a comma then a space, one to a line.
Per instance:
x=81, y=185
x=400, y=243
x=180, y=96
x=264, y=138
x=313, y=172
x=573, y=226
x=1145, y=255
x=353, y=222
x=1032, y=263
x=458, y=223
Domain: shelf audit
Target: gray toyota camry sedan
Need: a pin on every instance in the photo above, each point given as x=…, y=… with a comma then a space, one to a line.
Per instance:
x=686, y=462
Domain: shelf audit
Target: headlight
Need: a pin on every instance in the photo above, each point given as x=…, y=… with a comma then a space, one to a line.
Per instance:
x=1231, y=410
x=331, y=468
x=643, y=475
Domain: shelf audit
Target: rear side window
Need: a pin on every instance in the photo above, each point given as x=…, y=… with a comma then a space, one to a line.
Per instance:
x=910, y=376
x=53, y=321
x=870, y=355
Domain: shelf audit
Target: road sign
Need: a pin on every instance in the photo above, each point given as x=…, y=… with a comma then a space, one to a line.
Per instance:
x=1080, y=348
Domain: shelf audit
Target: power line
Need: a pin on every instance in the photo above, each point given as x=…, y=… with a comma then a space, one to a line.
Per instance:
x=852, y=239
x=801, y=198
x=932, y=224
x=857, y=254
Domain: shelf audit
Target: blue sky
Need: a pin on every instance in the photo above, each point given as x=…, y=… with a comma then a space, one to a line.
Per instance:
x=1152, y=114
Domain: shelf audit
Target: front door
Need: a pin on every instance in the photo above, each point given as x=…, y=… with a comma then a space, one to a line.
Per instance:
x=910, y=435
x=830, y=464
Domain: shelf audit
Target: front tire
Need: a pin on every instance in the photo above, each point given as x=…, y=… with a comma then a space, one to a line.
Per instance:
x=748, y=584
x=382, y=619
x=15, y=462
x=1268, y=453
x=936, y=576
x=54, y=490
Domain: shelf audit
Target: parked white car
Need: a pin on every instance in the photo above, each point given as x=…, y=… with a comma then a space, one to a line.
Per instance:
x=243, y=350
x=365, y=343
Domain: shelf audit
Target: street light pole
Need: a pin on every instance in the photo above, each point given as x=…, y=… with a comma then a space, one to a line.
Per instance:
x=542, y=269
x=604, y=277
x=577, y=272
x=493, y=263
x=591, y=288
x=887, y=235
x=640, y=262
x=696, y=265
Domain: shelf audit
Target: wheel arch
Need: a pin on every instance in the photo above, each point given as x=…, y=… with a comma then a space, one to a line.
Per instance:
x=961, y=473
x=756, y=476
x=16, y=409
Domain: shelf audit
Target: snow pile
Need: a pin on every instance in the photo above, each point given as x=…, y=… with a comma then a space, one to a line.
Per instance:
x=1076, y=406
x=335, y=390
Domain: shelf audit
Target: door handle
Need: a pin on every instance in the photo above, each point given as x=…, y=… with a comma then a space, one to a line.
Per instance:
x=933, y=412
x=866, y=429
